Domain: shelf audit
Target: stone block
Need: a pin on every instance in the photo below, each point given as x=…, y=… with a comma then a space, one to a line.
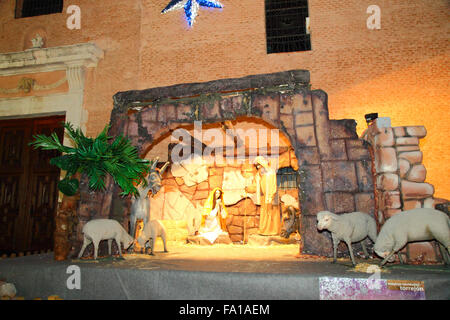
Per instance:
x=337, y=150
x=413, y=157
x=166, y=113
x=188, y=190
x=133, y=129
x=200, y=195
x=235, y=229
x=365, y=202
x=340, y=202
x=236, y=237
x=246, y=207
x=357, y=150
x=407, y=141
x=364, y=175
x=215, y=171
x=288, y=102
x=152, y=127
x=385, y=138
x=404, y=167
x=305, y=136
x=304, y=118
x=215, y=182
x=315, y=242
x=307, y=155
x=184, y=112
x=415, y=190
x=203, y=186
x=417, y=173
x=169, y=182
x=311, y=190
x=229, y=105
x=287, y=121
x=210, y=111
x=232, y=211
x=390, y=200
x=408, y=148
x=240, y=221
x=387, y=182
x=399, y=131
x=345, y=128
x=416, y=131
x=149, y=114
x=339, y=176
x=293, y=103
x=385, y=160
x=179, y=181
x=268, y=105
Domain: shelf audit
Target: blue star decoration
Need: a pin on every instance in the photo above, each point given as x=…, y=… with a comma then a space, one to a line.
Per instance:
x=191, y=7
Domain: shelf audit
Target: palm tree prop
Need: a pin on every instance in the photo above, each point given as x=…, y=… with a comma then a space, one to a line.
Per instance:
x=96, y=158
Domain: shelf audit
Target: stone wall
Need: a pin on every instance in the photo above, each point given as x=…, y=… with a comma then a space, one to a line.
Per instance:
x=400, y=177
x=186, y=187
x=337, y=174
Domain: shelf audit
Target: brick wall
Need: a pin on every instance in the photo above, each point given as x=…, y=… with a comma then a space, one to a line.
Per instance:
x=400, y=70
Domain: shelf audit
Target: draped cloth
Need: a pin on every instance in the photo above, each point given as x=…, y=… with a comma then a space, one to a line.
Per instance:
x=266, y=189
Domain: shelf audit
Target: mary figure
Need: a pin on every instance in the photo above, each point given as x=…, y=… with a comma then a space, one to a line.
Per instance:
x=213, y=218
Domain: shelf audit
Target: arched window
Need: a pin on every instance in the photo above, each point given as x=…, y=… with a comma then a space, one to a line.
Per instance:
x=31, y=8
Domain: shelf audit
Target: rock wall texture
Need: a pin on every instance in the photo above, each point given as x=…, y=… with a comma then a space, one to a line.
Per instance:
x=400, y=177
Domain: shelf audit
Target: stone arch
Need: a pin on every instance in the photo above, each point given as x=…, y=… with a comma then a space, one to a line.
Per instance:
x=242, y=221
x=165, y=131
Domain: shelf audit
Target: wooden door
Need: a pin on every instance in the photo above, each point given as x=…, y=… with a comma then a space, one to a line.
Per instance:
x=28, y=185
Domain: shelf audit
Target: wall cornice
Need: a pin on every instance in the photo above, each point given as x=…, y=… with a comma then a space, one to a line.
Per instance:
x=50, y=59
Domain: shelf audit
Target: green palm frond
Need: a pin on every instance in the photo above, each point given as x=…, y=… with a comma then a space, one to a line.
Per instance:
x=97, y=158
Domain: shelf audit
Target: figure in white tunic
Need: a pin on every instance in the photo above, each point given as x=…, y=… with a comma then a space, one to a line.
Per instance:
x=214, y=215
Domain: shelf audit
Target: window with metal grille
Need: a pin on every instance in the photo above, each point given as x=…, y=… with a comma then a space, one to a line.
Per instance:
x=287, y=178
x=286, y=26
x=31, y=8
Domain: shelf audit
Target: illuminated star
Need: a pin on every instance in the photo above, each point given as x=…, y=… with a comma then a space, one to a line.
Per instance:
x=191, y=7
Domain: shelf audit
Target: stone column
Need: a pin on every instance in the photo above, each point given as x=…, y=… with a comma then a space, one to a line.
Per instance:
x=400, y=176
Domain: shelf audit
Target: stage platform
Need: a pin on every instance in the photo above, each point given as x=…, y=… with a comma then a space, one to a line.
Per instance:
x=194, y=272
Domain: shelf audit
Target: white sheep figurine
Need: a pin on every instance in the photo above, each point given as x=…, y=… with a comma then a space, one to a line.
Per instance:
x=7, y=290
x=349, y=227
x=105, y=229
x=152, y=230
x=422, y=224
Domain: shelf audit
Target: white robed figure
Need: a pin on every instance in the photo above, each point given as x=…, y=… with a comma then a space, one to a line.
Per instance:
x=214, y=215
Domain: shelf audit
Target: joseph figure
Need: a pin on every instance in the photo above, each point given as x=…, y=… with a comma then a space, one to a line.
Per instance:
x=265, y=188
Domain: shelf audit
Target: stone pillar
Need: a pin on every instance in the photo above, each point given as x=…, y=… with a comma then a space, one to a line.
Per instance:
x=400, y=176
x=381, y=136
